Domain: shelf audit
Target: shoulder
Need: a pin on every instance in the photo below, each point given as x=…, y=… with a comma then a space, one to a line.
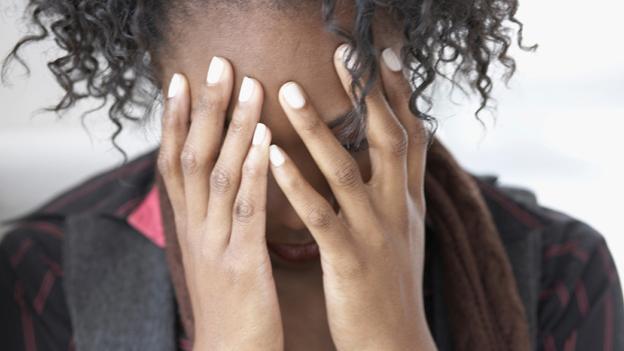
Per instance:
x=567, y=246
x=31, y=252
x=517, y=211
x=577, y=292
x=107, y=192
x=113, y=192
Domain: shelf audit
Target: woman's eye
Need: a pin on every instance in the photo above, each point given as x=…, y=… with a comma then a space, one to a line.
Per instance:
x=353, y=148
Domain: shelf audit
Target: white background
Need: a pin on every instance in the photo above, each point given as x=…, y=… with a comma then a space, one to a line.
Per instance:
x=558, y=129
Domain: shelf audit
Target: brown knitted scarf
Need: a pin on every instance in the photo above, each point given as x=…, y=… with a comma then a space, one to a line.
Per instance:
x=485, y=310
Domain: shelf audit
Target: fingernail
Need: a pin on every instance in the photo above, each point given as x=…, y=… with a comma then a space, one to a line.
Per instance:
x=259, y=134
x=344, y=54
x=293, y=95
x=174, y=86
x=275, y=155
x=215, y=70
x=392, y=60
x=247, y=88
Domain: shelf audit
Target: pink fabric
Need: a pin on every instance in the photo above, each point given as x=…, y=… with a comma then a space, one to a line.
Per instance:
x=147, y=220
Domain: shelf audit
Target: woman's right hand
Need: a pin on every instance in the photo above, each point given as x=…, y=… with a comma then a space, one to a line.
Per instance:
x=218, y=195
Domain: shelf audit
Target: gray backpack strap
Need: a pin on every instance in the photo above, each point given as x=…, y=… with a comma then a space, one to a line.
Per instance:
x=117, y=287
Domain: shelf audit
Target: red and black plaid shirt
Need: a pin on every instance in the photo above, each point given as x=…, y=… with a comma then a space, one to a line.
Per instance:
x=580, y=298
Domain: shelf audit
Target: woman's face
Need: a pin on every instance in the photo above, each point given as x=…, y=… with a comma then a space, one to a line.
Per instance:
x=274, y=47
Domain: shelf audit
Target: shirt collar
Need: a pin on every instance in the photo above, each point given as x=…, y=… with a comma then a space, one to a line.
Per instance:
x=146, y=218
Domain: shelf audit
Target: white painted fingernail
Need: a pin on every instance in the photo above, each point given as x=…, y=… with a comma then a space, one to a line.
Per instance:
x=259, y=134
x=247, y=88
x=174, y=86
x=344, y=54
x=392, y=60
x=215, y=70
x=293, y=95
x=275, y=155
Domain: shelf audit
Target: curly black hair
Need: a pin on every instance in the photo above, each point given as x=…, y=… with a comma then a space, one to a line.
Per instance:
x=111, y=47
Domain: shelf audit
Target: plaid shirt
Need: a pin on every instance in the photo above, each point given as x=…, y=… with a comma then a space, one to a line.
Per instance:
x=579, y=298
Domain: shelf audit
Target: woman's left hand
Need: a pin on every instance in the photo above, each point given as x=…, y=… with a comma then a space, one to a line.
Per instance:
x=372, y=251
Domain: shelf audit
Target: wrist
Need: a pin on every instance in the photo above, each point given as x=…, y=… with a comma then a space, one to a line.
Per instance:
x=422, y=340
x=209, y=344
x=418, y=339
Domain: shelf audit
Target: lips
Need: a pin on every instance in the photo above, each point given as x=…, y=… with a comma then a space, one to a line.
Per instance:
x=295, y=252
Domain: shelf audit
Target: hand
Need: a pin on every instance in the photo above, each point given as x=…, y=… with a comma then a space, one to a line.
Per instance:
x=219, y=208
x=372, y=251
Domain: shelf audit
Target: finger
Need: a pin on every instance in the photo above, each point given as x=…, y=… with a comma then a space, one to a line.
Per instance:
x=328, y=230
x=398, y=91
x=226, y=174
x=339, y=168
x=175, y=124
x=249, y=212
x=205, y=134
x=387, y=139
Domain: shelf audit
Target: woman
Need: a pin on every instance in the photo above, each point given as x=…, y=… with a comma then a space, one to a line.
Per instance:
x=295, y=201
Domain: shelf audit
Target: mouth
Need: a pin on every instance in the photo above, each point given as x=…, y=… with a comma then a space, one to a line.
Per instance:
x=295, y=252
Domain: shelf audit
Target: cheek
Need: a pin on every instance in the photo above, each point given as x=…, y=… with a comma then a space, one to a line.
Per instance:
x=363, y=160
x=278, y=207
x=275, y=198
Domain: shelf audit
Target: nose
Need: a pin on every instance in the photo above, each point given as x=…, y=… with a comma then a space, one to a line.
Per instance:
x=282, y=216
x=291, y=221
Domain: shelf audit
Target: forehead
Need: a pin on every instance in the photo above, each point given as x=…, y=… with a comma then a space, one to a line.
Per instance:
x=273, y=46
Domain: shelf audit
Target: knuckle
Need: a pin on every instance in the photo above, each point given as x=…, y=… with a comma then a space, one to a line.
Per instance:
x=400, y=92
x=310, y=125
x=347, y=175
x=174, y=118
x=209, y=255
x=165, y=164
x=319, y=218
x=404, y=91
x=206, y=104
x=189, y=161
x=236, y=124
x=236, y=267
x=419, y=135
x=400, y=142
x=200, y=252
x=234, y=273
x=291, y=182
x=244, y=210
x=379, y=242
x=220, y=180
x=251, y=170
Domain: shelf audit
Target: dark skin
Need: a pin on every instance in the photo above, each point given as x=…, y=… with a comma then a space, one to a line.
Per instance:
x=365, y=292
